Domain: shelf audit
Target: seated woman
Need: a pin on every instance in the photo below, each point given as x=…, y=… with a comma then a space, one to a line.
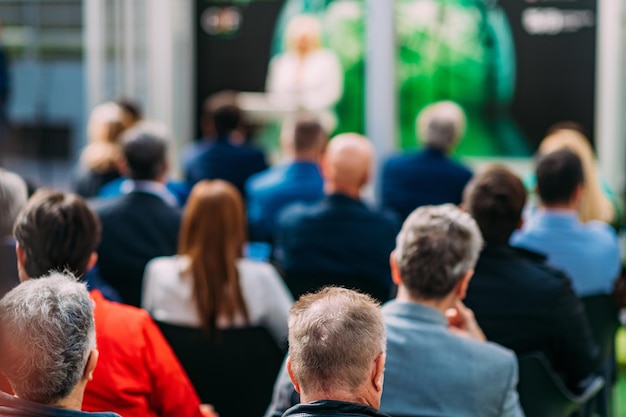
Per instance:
x=209, y=284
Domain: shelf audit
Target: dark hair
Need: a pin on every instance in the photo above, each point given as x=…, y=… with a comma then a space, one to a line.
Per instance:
x=145, y=152
x=559, y=173
x=495, y=198
x=58, y=232
x=226, y=119
x=308, y=135
x=131, y=107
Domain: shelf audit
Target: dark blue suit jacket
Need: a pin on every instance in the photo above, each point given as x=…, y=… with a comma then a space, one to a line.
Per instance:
x=270, y=191
x=422, y=178
x=223, y=160
x=338, y=241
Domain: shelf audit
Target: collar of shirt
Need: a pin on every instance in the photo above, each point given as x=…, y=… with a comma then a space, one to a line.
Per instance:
x=333, y=408
x=555, y=219
x=415, y=311
x=150, y=187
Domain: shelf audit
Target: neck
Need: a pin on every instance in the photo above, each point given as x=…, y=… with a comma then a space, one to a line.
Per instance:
x=306, y=157
x=365, y=398
x=352, y=192
x=441, y=305
x=559, y=206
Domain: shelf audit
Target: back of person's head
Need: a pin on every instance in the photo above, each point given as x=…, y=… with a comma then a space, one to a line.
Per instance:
x=56, y=231
x=594, y=205
x=347, y=162
x=145, y=151
x=441, y=125
x=495, y=198
x=335, y=336
x=213, y=233
x=104, y=130
x=559, y=176
x=226, y=120
x=436, y=248
x=309, y=137
x=13, y=196
x=49, y=340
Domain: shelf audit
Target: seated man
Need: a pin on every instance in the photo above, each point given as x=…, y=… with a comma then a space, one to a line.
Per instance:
x=221, y=158
x=519, y=301
x=588, y=253
x=438, y=362
x=138, y=374
x=143, y=223
x=51, y=353
x=428, y=176
x=300, y=180
x=336, y=354
x=338, y=240
x=13, y=195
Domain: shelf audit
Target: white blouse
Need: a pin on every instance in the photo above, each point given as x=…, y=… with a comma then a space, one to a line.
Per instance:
x=168, y=295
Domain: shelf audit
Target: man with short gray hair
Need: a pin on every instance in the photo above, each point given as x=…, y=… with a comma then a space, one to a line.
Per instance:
x=336, y=354
x=51, y=352
x=13, y=195
x=429, y=176
x=433, y=339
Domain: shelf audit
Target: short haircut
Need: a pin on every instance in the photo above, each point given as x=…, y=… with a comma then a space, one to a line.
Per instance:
x=48, y=332
x=495, y=198
x=13, y=196
x=58, y=232
x=145, y=150
x=226, y=119
x=436, y=247
x=334, y=336
x=441, y=125
x=308, y=134
x=559, y=173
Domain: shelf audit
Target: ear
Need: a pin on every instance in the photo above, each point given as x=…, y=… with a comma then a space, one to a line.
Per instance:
x=21, y=261
x=91, y=364
x=295, y=383
x=395, y=271
x=378, y=372
x=93, y=259
x=461, y=286
x=578, y=194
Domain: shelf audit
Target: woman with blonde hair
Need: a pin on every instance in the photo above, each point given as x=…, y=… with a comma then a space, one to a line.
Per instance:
x=598, y=202
x=99, y=161
x=209, y=284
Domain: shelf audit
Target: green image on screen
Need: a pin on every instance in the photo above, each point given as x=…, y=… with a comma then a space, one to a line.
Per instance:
x=460, y=50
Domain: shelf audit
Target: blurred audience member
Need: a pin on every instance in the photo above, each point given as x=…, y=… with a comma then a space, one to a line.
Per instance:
x=51, y=354
x=143, y=223
x=433, y=339
x=588, y=252
x=138, y=374
x=13, y=195
x=597, y=202
x=209, y=284
x=131, y=112
x=5, y=89
x=100, y=160
x=506, y=279
x=437, y=361
x=336, y=354
x=338, y=240
x=223, y=159
x=428, y=176
x=300, y=180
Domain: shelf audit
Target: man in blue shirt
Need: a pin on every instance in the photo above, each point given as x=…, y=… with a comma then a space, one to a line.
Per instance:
x=588, y=252
x=272, y=190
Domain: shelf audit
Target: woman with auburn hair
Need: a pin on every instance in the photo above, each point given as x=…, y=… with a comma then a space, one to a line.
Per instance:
x=209, y=284
x=598, y=201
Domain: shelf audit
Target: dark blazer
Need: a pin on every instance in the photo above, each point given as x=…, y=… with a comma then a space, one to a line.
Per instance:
x=136, y=228
x=8, y=266
x=525, y=305
x=338, y=240
x=427, y=177
x=87, y=182
x=223, y=160
x=270, y=191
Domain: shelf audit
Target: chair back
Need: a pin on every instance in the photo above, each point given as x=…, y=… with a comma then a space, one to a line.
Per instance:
x=543, y=394
x=603, y=318
x=234, y=370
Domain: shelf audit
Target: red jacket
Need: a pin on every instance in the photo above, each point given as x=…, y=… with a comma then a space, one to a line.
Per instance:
x=137, y=372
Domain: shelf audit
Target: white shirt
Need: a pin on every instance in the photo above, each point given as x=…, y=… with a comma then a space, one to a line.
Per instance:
x=168, y=295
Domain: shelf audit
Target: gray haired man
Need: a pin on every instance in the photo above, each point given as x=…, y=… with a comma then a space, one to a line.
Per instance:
x=48, y=347
x=336, y=354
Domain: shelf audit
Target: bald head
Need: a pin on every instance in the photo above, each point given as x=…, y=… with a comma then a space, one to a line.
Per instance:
x=347, y=164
